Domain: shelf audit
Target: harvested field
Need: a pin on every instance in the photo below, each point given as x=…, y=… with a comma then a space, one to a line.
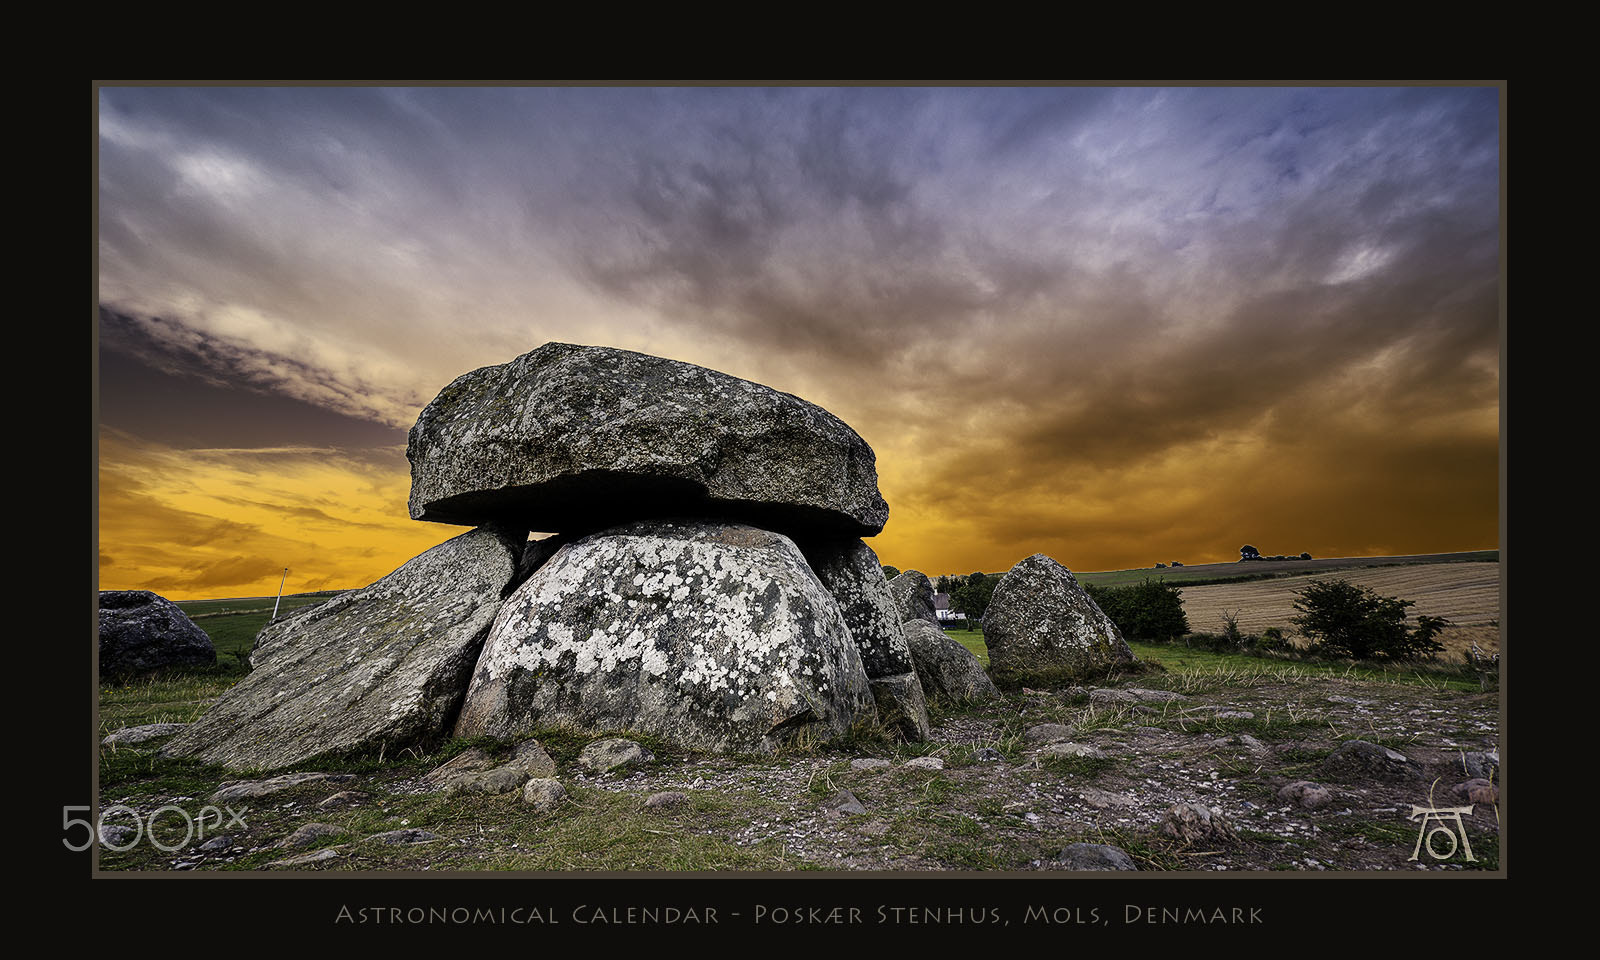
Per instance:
x=1467, y=594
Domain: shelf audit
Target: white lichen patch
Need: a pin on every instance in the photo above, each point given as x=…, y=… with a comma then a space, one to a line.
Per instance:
x=679, y=621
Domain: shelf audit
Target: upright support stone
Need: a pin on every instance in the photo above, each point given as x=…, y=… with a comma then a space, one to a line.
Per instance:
x=384, y=666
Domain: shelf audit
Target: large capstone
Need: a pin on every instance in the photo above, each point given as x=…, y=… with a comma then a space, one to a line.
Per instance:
x=381, y=667
x=851, y=572
x=948, y=670
x=142, y=632
x=572, y=438
x=1041, y=627
x=710, y=635
x=913, y=596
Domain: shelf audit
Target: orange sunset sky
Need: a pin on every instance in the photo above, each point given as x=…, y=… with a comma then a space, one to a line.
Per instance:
x=1117, y=326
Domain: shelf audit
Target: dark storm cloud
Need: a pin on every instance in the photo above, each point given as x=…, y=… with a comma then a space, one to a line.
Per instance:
x=1075, y=287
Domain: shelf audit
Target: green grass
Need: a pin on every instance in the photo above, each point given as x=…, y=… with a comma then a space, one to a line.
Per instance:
x=972, y=640
x=233, y=624
x=1186, y=661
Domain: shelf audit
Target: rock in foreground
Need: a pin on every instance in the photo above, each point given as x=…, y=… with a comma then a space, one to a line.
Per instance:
x=948, y=670
x=710, y=635
x=142, y=632
x=572, y=438
x=384, y=665
x=913, y=596
x=851, y=572
x=1041, y=626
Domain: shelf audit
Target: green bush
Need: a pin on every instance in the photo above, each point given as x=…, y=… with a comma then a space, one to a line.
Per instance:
x=1343, y=619
x=1152, y=610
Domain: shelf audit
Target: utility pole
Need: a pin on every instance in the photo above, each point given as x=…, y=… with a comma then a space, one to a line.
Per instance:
x=280, y=593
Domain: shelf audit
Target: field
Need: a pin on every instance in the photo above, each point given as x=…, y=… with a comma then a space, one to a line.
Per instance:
x=1467, y=594
x=1271, y=569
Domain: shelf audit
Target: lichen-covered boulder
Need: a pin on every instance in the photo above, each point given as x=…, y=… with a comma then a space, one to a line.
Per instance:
x=710, y=635
x=571, y=438
x=1041, y=627
x=383, y=666
x=851, y=572
x=913, y=596
x=948, y=670
x=142, y=632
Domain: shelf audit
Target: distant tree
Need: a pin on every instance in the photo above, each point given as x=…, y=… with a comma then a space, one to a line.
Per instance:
x=1177, y=563
x=1248, y=552
x=1347, y=620
x=943, y=585
x=975, y=577
x=1152, y=610
x=973, y=595
x=1161, y=566
x=889, y=573
x=1305, y=556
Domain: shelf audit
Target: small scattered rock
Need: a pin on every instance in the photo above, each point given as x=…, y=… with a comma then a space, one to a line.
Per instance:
x=476, y=771
x=405, y=836
x=925, y=763
x=843, y=802
x=1148, y=731
x=117, y=835
x=216, y=844
x=1362, y=759
x=326, y=853
x=1133, y=695
x=1235, y=715
x=1251, y=744
x=1194, y=823
x=1306, y=794
x=1046, y=733
x=308, y=834
x=1069, y=750
x=875, y=828
x=1095, y=856
x=543, y=794
x=988, y=755
x=1481, y=765
x=869, y=763
x=666, y=800
x=604, y=756
x=254, y=789
x=1477, y=791
x=344, y=798
x=1105, y=799
x=131, y=736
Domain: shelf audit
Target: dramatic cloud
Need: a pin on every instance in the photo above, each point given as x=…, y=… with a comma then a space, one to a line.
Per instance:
x=1119, y=326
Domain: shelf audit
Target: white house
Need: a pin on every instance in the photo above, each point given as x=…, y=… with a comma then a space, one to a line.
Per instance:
x=941, y=609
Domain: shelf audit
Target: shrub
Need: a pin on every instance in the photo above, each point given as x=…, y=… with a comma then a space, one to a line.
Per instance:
x=1152, y=610
x=1346, y=620
x=1272, y=638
